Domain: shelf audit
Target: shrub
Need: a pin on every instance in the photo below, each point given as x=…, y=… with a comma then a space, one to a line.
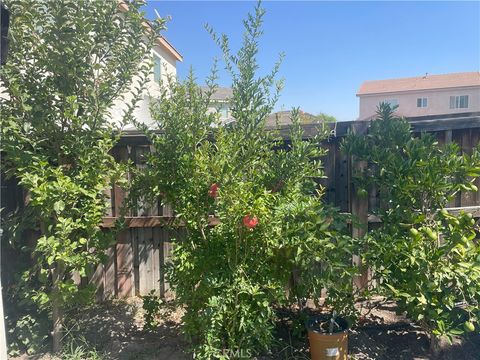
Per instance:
x=425, y=257
x=69, y=63
x=275, y=242
x=26, y=334
x=151, y=307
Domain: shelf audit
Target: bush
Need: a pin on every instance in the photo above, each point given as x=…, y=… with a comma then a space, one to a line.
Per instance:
x=425, y=257
x=70, y=62
x=27, y=334
x=151, y=307
x=275, y=243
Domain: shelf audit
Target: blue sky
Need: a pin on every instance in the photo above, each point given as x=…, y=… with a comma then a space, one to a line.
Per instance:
x=331, y=47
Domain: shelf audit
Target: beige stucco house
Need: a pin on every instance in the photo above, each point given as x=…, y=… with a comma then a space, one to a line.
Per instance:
x=423, y=95
x=164, y=59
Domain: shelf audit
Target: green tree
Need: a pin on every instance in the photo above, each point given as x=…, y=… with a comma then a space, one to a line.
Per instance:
x=322, y=117
x=70, y=61
x=275, y=242
x=423, y=256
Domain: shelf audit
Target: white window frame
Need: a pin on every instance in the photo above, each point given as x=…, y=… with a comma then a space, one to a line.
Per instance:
x=459, y=102
x=423, y=102
x=223, y=110
x=157, y=67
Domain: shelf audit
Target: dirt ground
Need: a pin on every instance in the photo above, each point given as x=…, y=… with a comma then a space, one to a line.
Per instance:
x=116, y=330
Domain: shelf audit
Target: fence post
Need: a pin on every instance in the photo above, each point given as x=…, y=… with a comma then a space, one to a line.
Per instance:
x=120, y=255
x=359, y=211
x=124, y=275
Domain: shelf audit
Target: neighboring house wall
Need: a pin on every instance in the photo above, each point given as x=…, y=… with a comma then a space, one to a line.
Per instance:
x=223, y=109
x=437, y=103
x=142, y=112
x=426, y=95
x=220, y=102
x=167, y=57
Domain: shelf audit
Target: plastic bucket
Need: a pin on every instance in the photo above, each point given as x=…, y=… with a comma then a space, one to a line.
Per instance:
x=324, y=346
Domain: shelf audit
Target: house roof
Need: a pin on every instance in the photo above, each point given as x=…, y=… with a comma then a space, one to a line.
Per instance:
x=426, y=82
x=161, y=40
x=220, y=94
x=280, y=118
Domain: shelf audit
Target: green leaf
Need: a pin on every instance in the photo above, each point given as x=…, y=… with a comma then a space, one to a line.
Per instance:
x=59, y=206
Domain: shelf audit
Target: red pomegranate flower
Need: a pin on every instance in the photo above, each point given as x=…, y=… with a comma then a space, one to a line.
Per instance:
x=250, y=221
x=213, y=192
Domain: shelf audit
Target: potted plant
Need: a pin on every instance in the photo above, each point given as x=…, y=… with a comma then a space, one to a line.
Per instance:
x=328, y=337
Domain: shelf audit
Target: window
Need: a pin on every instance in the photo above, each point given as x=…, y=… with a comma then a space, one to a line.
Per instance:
x=392, y=102
x=223, y=111
x=157, y=68
x=459, y=102
x=422, y=102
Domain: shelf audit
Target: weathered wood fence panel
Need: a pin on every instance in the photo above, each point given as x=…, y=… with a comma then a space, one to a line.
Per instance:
x=136, y=264
x=151, y=246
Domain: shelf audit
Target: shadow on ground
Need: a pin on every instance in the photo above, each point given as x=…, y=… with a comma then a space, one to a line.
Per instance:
x=115, y=329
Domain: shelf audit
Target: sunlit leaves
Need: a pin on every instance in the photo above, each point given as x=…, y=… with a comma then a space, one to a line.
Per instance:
x=275, y=242
x=425, y=256
x=69, y=62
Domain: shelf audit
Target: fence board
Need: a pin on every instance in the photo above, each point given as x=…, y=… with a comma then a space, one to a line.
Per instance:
x=125, y=265
x=156, y=259
x=142, y=260
x=161, y=251
x=118, y=195
x=110, y=275
x=149, y=281
x=457, y=137
x=98, y=279
x=136, y=260
x=328, y=182
x=359, y=207
x=166, y=257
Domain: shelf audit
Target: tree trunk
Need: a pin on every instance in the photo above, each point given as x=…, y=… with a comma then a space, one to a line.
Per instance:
x=57, y=307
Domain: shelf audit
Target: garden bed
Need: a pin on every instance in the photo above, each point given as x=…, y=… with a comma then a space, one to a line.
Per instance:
x=115, y=329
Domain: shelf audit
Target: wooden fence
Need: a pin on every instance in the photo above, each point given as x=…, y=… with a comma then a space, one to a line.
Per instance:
x=136, y=264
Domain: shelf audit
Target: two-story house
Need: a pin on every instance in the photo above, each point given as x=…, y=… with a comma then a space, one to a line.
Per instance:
x=423, y=95
x=164, y=60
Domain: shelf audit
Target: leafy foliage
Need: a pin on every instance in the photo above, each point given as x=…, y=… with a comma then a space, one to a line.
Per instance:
x=275, y=243
x=69, y=63
x=80, y=349
x=151, y=307
x=425, y=257
x=27, y=333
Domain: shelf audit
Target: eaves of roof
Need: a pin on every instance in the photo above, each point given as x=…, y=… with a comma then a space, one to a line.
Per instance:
x=161, y=40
